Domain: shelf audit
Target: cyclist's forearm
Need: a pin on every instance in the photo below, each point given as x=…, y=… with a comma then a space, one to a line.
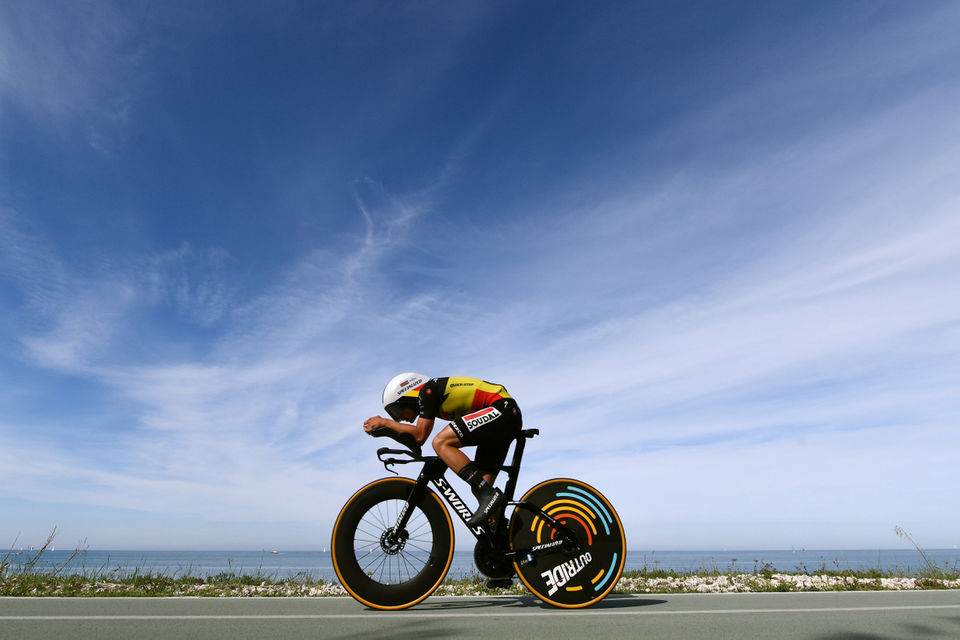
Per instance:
x=420, y=431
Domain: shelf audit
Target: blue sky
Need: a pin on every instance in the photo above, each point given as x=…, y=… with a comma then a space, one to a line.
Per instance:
x=712, y=248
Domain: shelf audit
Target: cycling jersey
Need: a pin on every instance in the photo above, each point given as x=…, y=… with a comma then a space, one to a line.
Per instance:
x=482, y=414
x=453, y=398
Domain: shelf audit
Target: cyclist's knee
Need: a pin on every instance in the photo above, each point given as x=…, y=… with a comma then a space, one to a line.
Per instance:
x=446, y=438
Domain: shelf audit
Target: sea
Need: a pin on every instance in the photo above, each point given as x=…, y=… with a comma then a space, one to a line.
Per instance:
x=317, y=565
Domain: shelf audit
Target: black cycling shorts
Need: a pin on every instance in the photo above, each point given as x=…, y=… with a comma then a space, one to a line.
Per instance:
x=490, y=430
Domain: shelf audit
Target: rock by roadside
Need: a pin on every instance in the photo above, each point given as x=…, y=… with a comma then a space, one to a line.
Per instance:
x=776, y=582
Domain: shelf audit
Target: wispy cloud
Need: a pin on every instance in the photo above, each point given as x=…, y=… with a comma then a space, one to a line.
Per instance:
x=739, y=332
x=71, y=67
x=266, y=402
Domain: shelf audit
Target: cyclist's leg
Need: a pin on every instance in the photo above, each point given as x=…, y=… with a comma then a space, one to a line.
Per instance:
x=491, y=429
x=447, y=444
x=493, y=448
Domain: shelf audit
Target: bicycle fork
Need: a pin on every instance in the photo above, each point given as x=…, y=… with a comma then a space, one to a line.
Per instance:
x=432, y=472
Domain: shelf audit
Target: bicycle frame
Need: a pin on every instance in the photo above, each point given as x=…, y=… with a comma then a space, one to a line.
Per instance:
x=433, y=471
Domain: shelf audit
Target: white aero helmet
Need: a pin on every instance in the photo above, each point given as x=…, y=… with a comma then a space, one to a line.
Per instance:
x=402, y=390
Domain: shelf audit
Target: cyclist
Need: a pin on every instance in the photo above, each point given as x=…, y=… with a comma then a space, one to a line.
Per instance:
x=481, y=414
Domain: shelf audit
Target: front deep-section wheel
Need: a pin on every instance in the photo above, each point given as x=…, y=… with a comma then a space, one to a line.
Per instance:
x=572, y=573
x=381, y=566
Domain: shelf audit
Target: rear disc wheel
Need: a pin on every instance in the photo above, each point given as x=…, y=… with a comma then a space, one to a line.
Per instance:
x=570, y=575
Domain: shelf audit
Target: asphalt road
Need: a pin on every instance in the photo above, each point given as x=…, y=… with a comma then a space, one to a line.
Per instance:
x=810, y=616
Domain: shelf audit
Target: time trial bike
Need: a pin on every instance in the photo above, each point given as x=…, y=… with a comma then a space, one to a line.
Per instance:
x=393, y=540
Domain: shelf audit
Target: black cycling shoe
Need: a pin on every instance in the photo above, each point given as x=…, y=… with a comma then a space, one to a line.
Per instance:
x=499, y=583
x=488, y=509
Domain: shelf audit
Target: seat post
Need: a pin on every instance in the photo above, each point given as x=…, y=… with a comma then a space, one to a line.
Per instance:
x=513, y=471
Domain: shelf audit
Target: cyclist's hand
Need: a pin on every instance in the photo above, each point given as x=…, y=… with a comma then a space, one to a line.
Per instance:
x=373, y=423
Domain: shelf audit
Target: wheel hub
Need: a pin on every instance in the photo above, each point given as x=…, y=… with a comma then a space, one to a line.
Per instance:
x=392, y=542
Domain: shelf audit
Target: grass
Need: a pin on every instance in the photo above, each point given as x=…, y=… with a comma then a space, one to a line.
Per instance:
x=19, y=576
x=154, y=584
x=137, y=583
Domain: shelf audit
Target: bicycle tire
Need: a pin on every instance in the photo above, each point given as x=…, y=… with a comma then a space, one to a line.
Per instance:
x=373, y=572
x=559, y=578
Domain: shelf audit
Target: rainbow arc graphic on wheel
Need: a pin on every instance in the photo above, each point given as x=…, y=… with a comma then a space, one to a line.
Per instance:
x=574, y=506
x=564, y=579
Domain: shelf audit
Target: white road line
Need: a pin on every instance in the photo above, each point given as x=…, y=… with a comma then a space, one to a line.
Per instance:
x=415, y=614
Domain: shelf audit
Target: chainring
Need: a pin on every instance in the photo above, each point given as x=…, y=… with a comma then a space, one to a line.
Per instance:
x=491, y=562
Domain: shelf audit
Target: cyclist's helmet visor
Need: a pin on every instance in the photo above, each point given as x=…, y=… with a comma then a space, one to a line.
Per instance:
x=395, y=409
